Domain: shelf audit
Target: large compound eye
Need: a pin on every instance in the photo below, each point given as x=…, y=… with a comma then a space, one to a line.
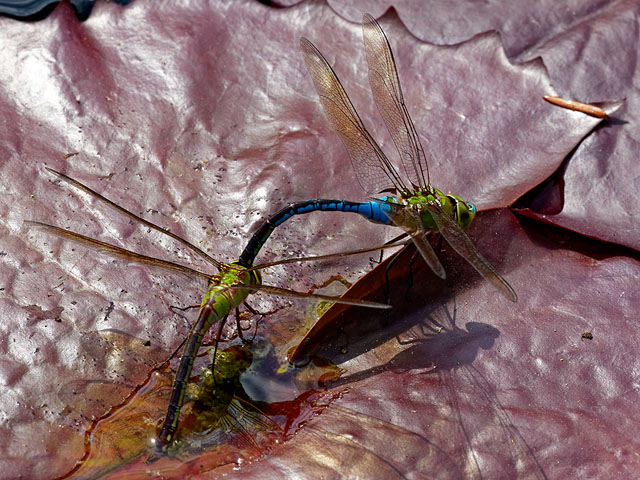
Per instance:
x=466, y=213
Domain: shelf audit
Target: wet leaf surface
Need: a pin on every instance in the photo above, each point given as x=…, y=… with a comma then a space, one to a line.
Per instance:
x=203, y=119
x=222, y=425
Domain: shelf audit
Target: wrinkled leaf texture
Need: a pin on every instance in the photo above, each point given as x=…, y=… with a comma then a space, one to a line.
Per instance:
x=202, y=117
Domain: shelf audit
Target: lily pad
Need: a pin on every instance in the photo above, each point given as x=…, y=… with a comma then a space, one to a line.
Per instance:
x=202, y=118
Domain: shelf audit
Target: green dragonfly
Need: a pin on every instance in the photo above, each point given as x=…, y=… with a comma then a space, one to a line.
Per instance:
x=413, y=205
x=227, y=290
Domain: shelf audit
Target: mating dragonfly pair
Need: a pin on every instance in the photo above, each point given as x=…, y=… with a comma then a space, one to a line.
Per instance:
x=413, y=204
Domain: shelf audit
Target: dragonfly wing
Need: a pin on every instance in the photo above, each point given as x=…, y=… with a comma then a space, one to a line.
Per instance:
x=373, y=170
x=411, y=223
x=246, y=419
x=462, y=244
x=254, y=415
x=387, y=93
x=427, y=252
x=391, y=244
x=115, y=251
x=133, y=216
x=283, y=292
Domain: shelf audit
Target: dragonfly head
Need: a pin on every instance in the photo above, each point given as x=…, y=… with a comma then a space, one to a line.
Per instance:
x=463, y=212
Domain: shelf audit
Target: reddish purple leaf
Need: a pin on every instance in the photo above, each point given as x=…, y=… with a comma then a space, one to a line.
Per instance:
x=462, y=383
x=203, y=119
x=597, y=186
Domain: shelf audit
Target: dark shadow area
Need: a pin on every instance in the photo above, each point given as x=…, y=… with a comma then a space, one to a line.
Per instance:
x=552, y=236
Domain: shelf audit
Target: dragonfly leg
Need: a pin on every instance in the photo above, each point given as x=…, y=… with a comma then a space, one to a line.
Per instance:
x=379, y=260
x=175, y=352
x=392, y=262
x=262, y=314
x=414, y=257
x=390, y=265
x=257, y=313
x=254, y=311
x=439, y=249
x=239, y=327
x=390, y=242
x=255, y=332
x=177, y=310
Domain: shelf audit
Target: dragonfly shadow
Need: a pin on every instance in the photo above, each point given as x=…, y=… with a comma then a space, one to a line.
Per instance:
x=414, y=292
x=423, y=336
x=417, y=298
x=430, y=347
x=438, y=347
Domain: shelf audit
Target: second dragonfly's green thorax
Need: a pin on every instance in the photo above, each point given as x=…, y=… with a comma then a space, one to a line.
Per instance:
x=235, y=275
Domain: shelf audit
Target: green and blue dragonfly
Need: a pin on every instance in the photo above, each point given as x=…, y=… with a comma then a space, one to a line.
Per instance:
x=413, y=205
x=227, y=290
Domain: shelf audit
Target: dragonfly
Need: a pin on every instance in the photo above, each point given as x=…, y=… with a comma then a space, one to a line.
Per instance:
x=227, y=291
x=413, y=204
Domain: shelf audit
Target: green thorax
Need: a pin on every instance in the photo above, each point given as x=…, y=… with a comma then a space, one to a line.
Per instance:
x=222, y=295
x=461, y=211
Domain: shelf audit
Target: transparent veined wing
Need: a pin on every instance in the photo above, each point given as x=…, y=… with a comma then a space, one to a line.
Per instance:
x=387, y=93
x=461, y=243
x=373, y=170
